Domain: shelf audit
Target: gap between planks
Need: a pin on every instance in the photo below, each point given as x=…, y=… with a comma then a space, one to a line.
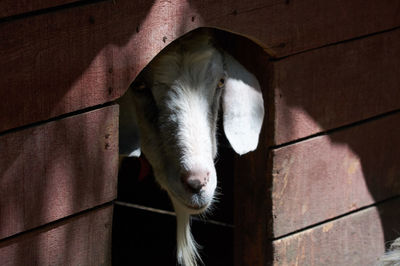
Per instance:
x=275, y=59
x=47, y=10
x=334, y=130
x=56, y=118
x=56, y=223
x=376, y=204
x=164, y=212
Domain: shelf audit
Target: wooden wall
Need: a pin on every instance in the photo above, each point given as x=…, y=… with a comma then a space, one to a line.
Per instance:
x=325, y=182
x=325, y=176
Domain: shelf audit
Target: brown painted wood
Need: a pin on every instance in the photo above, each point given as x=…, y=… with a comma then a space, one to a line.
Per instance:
x=64, y=61
x=252, y=206
x=57, y=169
x=285, y=27
x=67, y=60
x=356, y=239
x=10, y=8
x=81, y=240
x=336, y=85
x=331, y=175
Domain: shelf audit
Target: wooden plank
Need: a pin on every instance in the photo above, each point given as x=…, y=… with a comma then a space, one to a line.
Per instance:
x=86, y=55
x=79, y=57
x=59, y=69
x=57, y=169
x=357, y=239
x=285, y=27
x=253, y=206
x=10, y=8
x=80, y=240
x=336, y=85
x=331, y=175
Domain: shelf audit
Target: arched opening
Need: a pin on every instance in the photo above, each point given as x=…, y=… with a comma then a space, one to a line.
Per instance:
x=144, y=220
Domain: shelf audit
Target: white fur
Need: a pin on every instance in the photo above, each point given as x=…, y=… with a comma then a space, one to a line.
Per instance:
x=177, y=116
x=177, y=120
x=187, y=249
x=243, y=107
x=392, y=256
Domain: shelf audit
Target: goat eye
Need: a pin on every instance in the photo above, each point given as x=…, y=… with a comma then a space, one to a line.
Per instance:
x=221, y=83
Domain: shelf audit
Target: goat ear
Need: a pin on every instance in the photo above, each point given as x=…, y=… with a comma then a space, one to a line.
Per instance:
x=243, y=107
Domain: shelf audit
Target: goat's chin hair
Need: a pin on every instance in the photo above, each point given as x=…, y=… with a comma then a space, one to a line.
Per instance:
x=187, y=248
x=391, y=257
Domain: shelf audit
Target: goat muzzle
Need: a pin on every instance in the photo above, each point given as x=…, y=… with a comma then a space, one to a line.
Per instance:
x=195, y=180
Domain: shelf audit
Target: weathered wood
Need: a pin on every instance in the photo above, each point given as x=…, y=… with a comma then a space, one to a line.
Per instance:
x=252, y=206
x=57, y=169
x=286, y=27
x=10, y=8
x=336, y=85
x=331, y=175
x=80, y=240
x=356, y=239
x=86, y=56
x=52, y=69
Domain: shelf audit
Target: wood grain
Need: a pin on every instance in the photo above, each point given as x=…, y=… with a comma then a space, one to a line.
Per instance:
x=81, y=240
x=57, y=169
x=252, y=206
x=68, y=60
x=285, y=27
x=335, y=86
x=331, y=175
x=63, y=61
x=10, y=8
x=357, y=239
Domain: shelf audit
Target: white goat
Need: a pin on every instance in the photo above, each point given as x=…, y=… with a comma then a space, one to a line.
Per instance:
x=176, y=101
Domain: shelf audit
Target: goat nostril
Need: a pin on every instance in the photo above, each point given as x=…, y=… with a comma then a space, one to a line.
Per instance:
x=194, y=185
x=195, y=181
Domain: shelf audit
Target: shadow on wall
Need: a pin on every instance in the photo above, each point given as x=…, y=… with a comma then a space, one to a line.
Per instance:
x=98, y=48
x=39, y=181
x=322, y=91
x=61, y=167
x=334, y=87
x=365, y=154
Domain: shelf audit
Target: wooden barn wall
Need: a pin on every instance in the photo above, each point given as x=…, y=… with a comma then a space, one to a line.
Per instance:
x=84, y=239
x=349, y=169
x=10, y=8
x=336, y=86
x=328, y=154
x=352, y=240
x=93, y=51
x=330, y=82
x=57, y=169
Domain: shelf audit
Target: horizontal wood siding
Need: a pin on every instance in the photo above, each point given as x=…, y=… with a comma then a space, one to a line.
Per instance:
x=10, y=8
x=286, y=27
x=78, y=57
x=357, y=239
x=330, y=68
x=336, y=85
x=331, y=175
x=80, y=240
x=57, y=169
x=68, y=60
